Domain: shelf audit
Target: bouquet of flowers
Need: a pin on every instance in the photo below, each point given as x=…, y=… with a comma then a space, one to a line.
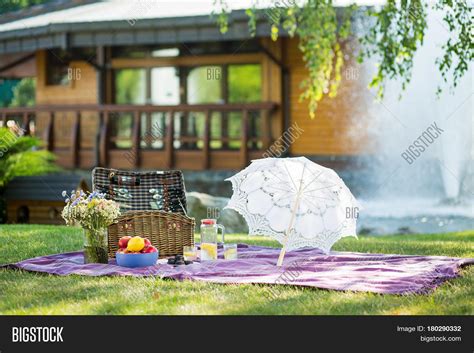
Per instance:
x=93, y=213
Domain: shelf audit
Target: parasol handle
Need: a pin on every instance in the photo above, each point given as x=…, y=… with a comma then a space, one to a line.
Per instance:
x=292, y=220
x=282, y=255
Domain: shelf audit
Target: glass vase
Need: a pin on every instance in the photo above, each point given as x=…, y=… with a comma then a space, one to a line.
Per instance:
x=96, y=246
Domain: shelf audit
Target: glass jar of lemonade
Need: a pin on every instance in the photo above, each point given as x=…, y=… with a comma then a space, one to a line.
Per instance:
x=209, y=231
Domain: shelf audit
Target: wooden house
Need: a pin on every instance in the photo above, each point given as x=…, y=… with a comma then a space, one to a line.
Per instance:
x=38, y=199
x=155, y=85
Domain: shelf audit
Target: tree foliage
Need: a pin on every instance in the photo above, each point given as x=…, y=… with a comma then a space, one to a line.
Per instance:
x=458, y=50
x=392, y=35
x=13, y=5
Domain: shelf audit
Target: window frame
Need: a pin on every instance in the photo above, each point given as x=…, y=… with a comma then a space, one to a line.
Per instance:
x=47, y=66
x=183, y=74
x=184, y=65
x=68, y=56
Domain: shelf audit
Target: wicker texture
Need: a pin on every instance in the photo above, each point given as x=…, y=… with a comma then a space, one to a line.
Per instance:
x=168, y=232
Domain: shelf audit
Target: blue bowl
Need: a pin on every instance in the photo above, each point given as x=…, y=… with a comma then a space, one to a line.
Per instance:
x=136, y=260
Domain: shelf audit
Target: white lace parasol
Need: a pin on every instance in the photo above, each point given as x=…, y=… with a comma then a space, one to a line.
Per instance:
x=295, y=201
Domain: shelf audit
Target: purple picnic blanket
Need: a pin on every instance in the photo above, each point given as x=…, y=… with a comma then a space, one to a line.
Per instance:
x=379, y=273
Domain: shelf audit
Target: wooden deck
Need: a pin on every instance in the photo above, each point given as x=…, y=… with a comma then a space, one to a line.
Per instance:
x=82, y=136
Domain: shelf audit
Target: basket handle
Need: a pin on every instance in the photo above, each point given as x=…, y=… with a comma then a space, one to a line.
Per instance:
x=133, y=180
x=182, y=207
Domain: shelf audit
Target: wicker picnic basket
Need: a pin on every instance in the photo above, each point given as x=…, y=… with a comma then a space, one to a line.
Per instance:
x=153, y=206
x=167, y=231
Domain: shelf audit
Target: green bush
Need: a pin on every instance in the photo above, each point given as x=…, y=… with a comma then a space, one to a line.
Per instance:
x=19, y=156
x=24, y=93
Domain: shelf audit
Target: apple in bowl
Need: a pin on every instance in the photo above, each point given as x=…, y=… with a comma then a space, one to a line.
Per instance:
x=136, y=252
x=123, y=242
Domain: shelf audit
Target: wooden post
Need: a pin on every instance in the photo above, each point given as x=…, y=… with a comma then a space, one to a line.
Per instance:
x=183, y=129
x=206, y=137
x=136, y=139
x=253, y=131
x=169, y=144
x=225, y=115
x=194, y=134
x=244, y=139
x=49, y=133
x=100, y=74
x=225, y=129
x=104, y=140
x=75, y=138
x=266, y=129
x=149, y=133
x=98, y=136
x=26, y=124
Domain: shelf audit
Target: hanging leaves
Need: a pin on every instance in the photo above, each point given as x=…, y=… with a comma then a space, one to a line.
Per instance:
x=458, y=50
x=393, y=33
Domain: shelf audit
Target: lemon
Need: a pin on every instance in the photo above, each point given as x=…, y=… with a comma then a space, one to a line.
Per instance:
x=230, y=254
x=208, y=251
x=136, y=244
x=189, y=255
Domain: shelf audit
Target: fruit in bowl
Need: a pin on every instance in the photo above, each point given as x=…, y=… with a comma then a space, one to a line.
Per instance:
x=136, y=244
x=136, y=252
x=123, y=242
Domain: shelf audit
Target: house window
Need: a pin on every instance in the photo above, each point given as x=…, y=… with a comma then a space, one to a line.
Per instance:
x=200, y=85
x=245, y=83
x=244, y=86
x=130, y=86
x=58, y=61
x=211, y=84
x=164, y=86
x=57, y=65
x=204, y=85
x=165, y=53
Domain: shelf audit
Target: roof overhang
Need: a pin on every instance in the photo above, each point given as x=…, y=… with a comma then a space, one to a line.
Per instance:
x=17, y=65
x=122, y=32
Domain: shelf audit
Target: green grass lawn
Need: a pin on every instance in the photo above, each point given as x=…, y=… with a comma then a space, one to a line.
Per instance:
x=29, y=293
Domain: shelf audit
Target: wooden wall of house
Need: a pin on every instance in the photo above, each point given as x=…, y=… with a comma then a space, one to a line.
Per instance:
x=339, y=128
x=272, y=84
x=81, y=90
x=40, y=212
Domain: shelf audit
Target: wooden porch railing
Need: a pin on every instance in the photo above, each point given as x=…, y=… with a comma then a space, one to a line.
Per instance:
x=105, y=153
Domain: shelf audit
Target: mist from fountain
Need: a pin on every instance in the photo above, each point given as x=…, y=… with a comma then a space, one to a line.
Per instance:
x=433, y=191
